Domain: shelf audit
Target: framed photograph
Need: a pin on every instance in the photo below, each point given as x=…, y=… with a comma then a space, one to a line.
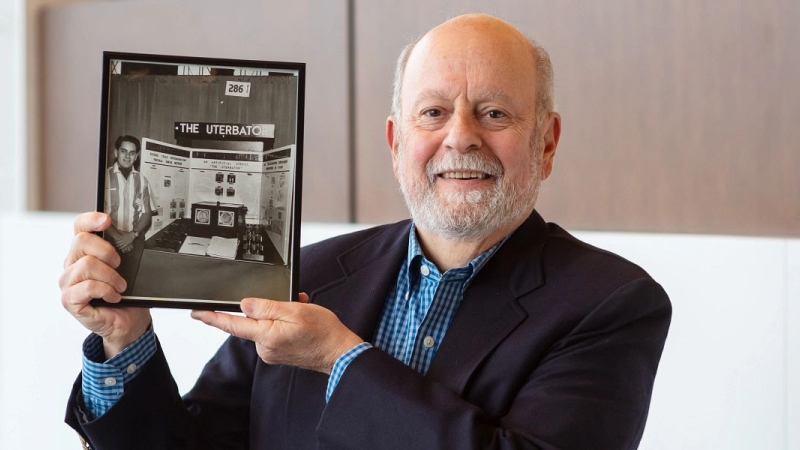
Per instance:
x=200, y=169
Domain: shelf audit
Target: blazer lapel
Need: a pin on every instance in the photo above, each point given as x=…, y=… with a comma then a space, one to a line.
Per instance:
x=490, y=309
x=369, y=272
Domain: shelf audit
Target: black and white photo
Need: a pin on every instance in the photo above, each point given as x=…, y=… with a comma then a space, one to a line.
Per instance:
x=200, y=170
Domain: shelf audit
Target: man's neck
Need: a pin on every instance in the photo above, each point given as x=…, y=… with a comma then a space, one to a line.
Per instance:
x=125, y=172
x=448, y=253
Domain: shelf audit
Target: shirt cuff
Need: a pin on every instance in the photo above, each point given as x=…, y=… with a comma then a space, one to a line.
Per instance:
x=341, y=364
x=103, y=383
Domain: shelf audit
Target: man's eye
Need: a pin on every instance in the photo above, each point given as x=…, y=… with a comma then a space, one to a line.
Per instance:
x=496, y=114
x=432, y=113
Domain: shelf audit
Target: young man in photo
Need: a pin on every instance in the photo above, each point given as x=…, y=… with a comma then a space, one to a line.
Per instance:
x=128, y=202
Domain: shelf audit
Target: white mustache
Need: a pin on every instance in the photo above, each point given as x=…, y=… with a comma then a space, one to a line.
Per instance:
x=464, y=162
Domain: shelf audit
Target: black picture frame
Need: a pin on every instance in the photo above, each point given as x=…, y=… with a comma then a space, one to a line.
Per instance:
x=208, y=154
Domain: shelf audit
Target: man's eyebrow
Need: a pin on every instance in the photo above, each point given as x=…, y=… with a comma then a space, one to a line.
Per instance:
x=429, y=94
x=495, y=96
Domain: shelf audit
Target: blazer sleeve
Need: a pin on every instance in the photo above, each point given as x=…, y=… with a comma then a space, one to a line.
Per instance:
x=591, y=390
x=151, y=413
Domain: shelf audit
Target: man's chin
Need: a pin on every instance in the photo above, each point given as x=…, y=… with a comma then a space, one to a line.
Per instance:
x=455, y=221
x=465, y=215
x=456, y=192
x=469, y=219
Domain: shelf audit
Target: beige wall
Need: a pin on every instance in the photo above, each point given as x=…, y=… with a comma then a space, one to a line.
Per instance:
x=678, y=116
x=33, y=65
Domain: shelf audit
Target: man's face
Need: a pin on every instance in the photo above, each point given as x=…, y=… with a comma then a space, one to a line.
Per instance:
x=126, y=154
x=465, y=149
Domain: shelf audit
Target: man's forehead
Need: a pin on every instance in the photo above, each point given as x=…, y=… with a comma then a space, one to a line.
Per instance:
x=449, y=72
x=491, y=94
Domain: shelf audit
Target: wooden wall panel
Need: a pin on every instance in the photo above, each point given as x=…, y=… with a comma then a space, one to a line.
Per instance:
x=75, y=35
x=678, y=116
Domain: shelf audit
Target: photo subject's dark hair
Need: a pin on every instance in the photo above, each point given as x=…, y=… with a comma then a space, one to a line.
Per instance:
x=127, y=138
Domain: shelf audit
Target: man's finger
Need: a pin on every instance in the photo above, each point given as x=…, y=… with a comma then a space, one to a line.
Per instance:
x=90, y=268
x=303, y=298
x=77, y=297
x=91, y=221
x=88, y=244
x=242, y=327
x=261, y=308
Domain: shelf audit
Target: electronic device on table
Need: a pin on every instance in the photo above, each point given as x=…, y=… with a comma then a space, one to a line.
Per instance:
x=218, y=219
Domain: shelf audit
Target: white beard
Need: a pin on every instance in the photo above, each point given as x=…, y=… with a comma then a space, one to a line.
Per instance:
x=474, y=214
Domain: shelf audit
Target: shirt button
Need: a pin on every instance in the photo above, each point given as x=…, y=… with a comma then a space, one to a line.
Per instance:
x=424, y=270
x=131, y=368
x=110, y=381
x=428, y=341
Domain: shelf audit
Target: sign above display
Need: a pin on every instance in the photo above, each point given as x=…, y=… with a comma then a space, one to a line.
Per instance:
x=205, y=130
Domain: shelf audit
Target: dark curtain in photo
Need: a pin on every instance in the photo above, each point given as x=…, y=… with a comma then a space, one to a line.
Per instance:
x=149, y=105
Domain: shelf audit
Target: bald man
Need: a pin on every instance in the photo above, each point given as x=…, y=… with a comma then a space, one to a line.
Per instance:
x=474, y=325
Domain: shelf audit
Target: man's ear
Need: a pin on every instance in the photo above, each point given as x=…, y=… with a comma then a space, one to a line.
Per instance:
x=392, y=139
x=551, y=135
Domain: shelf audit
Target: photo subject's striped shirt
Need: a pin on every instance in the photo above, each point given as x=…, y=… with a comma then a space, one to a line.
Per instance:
x=126, y=199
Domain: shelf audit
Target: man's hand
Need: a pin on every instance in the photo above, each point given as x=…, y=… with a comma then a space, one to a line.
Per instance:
x=125, y=241
x=89, y=273
x=297, y=334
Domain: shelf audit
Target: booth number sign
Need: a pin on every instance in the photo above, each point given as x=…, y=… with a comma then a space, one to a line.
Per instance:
x=237, y=88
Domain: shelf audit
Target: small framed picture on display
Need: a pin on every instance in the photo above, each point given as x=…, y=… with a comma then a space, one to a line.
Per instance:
x=189, y=151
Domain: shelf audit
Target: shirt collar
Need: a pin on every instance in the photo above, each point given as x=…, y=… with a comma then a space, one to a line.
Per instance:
x=415, y=258
x=115, y=168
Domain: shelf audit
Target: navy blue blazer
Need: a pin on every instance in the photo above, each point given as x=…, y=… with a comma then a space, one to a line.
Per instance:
x=555, y=345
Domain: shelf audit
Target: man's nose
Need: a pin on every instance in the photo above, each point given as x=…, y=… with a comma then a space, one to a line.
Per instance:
x=463, y=133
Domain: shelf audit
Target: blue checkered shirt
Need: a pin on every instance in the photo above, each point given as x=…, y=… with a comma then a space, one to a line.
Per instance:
x=418, y=312
x=415, y=318
x=103, y=382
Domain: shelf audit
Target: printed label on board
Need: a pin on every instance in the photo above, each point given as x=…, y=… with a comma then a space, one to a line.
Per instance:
x=237, y=88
